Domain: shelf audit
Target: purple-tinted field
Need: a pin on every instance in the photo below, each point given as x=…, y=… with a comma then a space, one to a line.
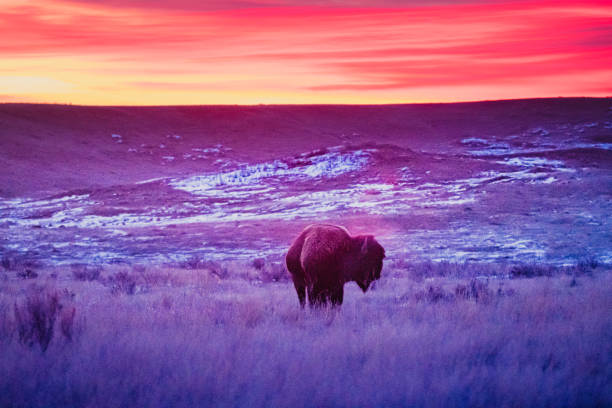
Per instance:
x=128, y=237
x=519, y=181
x=230, y=335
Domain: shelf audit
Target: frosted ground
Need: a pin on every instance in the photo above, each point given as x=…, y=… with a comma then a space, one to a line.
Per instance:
x=536, y=196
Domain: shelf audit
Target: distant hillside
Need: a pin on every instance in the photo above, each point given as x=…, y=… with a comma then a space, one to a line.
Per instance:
x=47, y=148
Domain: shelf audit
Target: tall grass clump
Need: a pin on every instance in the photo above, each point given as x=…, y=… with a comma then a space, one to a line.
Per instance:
x=36, y=317
x=123, y=282
x=86, y=272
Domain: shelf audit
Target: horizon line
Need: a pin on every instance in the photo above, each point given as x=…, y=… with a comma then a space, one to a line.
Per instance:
x=308, y=104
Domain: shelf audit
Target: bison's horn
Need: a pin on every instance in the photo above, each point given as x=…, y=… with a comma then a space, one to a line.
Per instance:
x=364, y=247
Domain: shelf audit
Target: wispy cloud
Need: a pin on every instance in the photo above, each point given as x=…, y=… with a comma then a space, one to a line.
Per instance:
x=286, y=51
x=216, y=5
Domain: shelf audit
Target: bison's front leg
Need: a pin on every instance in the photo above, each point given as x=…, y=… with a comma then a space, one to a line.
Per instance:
x=317, y=296
x=337, y=295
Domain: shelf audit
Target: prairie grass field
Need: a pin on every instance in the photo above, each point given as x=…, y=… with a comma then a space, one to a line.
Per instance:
x=232, y=334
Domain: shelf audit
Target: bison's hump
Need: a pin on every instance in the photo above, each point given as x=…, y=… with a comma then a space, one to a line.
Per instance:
x=324, y=242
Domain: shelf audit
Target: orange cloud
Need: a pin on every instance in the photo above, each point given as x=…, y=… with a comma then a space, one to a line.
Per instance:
x=107, y=53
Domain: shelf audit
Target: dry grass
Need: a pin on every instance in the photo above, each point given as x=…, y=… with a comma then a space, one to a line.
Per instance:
x=186, y=337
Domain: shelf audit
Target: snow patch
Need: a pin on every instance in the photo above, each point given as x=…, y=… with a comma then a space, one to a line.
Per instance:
x=325, y=165
x=25, y=203
x=474, y=142
x=151, y=180
x=215, y=150
x=540, y=131
x=488, y=148
x=557, y=165
x=602, y=146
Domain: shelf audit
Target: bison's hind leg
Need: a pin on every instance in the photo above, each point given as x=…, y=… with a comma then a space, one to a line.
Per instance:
x=297, y=274
x=300, y=288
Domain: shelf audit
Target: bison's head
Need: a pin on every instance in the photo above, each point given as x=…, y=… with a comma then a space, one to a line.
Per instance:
x=370, y=261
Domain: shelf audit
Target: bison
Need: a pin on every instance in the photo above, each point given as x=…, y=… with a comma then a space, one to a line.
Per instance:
x=324, y=257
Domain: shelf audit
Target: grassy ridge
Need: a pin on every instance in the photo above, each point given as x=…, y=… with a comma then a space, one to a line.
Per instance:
x=233, y=335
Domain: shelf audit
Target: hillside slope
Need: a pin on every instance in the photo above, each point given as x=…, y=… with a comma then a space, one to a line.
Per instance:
x=53, y=148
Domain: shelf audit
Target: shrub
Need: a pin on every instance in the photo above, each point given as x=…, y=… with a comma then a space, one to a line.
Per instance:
x=6, y=262
x=153, y=277
x=22, y=264
x=27, y=274
x=18, y=262
x=85, y=272
x=259, y=263
x=217, y=269
x=193, y=263
x=123, y=282
x=35, y=319
x=585, y=266
x=434, y=294
x=274, y=272
x=68, y=294
x=214, y=267
x=476, y=290
x=531, y=271
x=588, y=263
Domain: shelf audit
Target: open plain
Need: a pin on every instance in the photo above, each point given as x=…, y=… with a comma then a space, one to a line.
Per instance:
x=142, y=254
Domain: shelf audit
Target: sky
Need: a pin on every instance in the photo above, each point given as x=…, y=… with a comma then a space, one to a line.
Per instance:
x=182, y=52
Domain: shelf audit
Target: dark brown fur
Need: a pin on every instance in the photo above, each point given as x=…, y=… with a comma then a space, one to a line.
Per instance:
x=324, y=257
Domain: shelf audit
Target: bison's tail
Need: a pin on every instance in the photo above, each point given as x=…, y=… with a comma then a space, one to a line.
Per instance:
x=293, y=261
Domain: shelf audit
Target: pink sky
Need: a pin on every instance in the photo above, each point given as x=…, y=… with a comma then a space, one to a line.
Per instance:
x=156, y=52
